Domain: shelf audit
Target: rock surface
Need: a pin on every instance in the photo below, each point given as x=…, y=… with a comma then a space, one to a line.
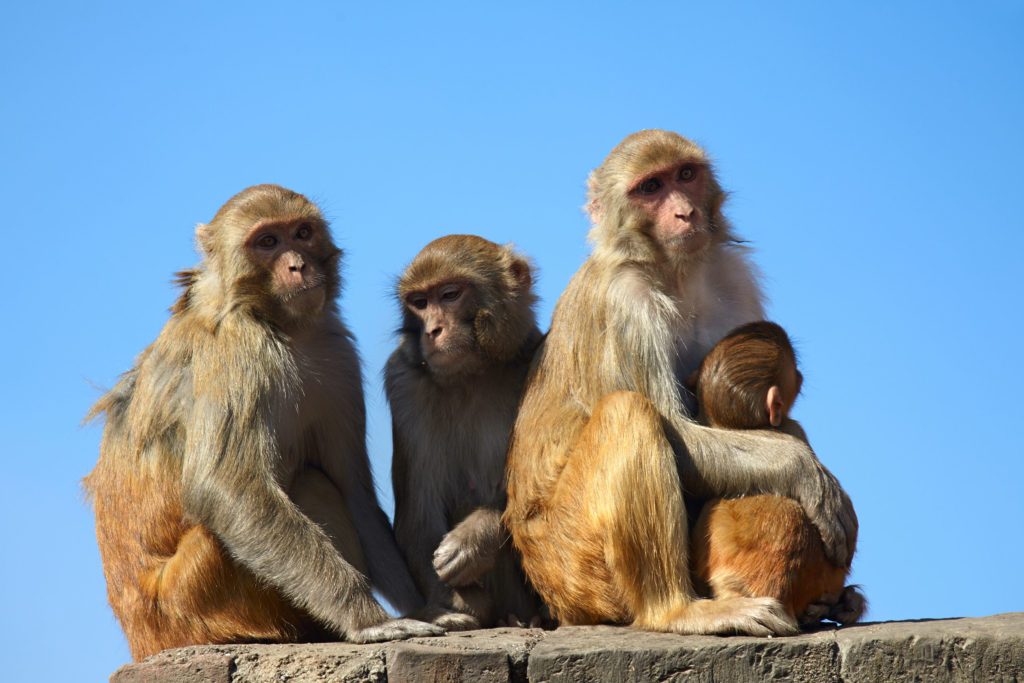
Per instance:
x=986, y=649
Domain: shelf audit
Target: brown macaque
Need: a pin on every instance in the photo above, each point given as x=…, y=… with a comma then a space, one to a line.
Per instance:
x=604, y=446
x=468, y=335
x=763, y=546
x=749, y=380
x=233, y=494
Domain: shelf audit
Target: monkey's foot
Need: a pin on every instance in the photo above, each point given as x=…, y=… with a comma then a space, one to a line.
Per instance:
x=850, y=606
x=396, y=629
x=751, y=616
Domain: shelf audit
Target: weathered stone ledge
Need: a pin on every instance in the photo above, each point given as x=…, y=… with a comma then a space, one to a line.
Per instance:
x=986, y=649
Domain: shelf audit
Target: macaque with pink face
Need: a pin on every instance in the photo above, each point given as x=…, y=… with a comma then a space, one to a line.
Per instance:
x=605, y=448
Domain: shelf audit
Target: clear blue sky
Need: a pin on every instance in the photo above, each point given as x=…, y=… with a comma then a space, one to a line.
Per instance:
x=873, y=152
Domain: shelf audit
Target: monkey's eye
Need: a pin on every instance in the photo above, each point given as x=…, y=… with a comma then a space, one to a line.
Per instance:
x=304, y=232
x=418, y=302
x=649, y=186
x=266, y=241
x=451, y=294
x=687, y=173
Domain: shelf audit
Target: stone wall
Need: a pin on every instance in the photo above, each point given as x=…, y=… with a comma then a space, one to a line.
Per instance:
x=987, y=649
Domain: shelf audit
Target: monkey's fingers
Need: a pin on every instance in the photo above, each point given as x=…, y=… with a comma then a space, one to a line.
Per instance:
x=457, y=621
x=459, y=564
x=396, y=629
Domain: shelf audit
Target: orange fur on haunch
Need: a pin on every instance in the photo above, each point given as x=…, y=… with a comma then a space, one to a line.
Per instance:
x=604, y=447
x=171, y=582
x=762, y=546
x=233, y=495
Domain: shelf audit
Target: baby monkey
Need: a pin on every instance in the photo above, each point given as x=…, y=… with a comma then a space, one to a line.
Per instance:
x=762, y=546
x=749, y=380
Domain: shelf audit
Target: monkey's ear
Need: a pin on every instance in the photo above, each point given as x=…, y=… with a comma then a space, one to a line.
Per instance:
x=521, y=272
x=204, y=238
x=594, y=207
x=775, y=405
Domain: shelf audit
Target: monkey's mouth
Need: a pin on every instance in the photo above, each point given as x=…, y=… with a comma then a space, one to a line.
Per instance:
x=689, y=242
x=305, y=289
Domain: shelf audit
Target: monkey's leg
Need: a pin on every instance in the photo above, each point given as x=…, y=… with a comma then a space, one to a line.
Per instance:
x=173, y=585
x=200, y=595
x=621, y=494
x=764, y=546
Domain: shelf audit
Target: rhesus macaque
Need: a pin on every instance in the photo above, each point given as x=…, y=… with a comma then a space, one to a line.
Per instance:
x=233, y=494
x=468, y=335
x=763, y=546
x=604, y=446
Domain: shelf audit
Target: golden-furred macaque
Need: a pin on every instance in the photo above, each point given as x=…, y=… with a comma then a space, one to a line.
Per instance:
x=468, y=335
x=233, y=494
x=604, y=446
x=763, y=546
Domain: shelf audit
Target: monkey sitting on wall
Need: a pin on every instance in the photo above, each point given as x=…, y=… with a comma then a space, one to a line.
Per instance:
x=763, y=546
x=233, y=495
x=468, y=335
x=604, y=451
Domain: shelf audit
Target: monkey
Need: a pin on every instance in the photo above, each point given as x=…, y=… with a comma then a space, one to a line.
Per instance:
x=763, y=545
x=233, y=495
x=468, y=335
x=749, y=380
x=604, y=444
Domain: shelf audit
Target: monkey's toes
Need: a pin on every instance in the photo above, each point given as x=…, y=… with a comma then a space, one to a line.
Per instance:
x=396, y=629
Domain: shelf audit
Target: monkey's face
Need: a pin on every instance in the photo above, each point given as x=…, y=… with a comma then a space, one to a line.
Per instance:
x=674, y=198
x=292, y=252
x=445, y=313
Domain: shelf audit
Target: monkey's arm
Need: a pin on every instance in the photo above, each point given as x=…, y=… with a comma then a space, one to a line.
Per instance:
x=733, y=462
x=388, y=570
x=346, y=463
x=714, y=462
x=229, y=485
x=420, y=520
x=794, y=429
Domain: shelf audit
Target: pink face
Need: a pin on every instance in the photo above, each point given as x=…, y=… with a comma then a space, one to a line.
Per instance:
x=287, y=249
x=674, y=198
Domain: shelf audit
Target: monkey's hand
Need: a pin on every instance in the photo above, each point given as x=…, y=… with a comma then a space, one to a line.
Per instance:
x=469, y=550
x=830, y=510
x=395, y=629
